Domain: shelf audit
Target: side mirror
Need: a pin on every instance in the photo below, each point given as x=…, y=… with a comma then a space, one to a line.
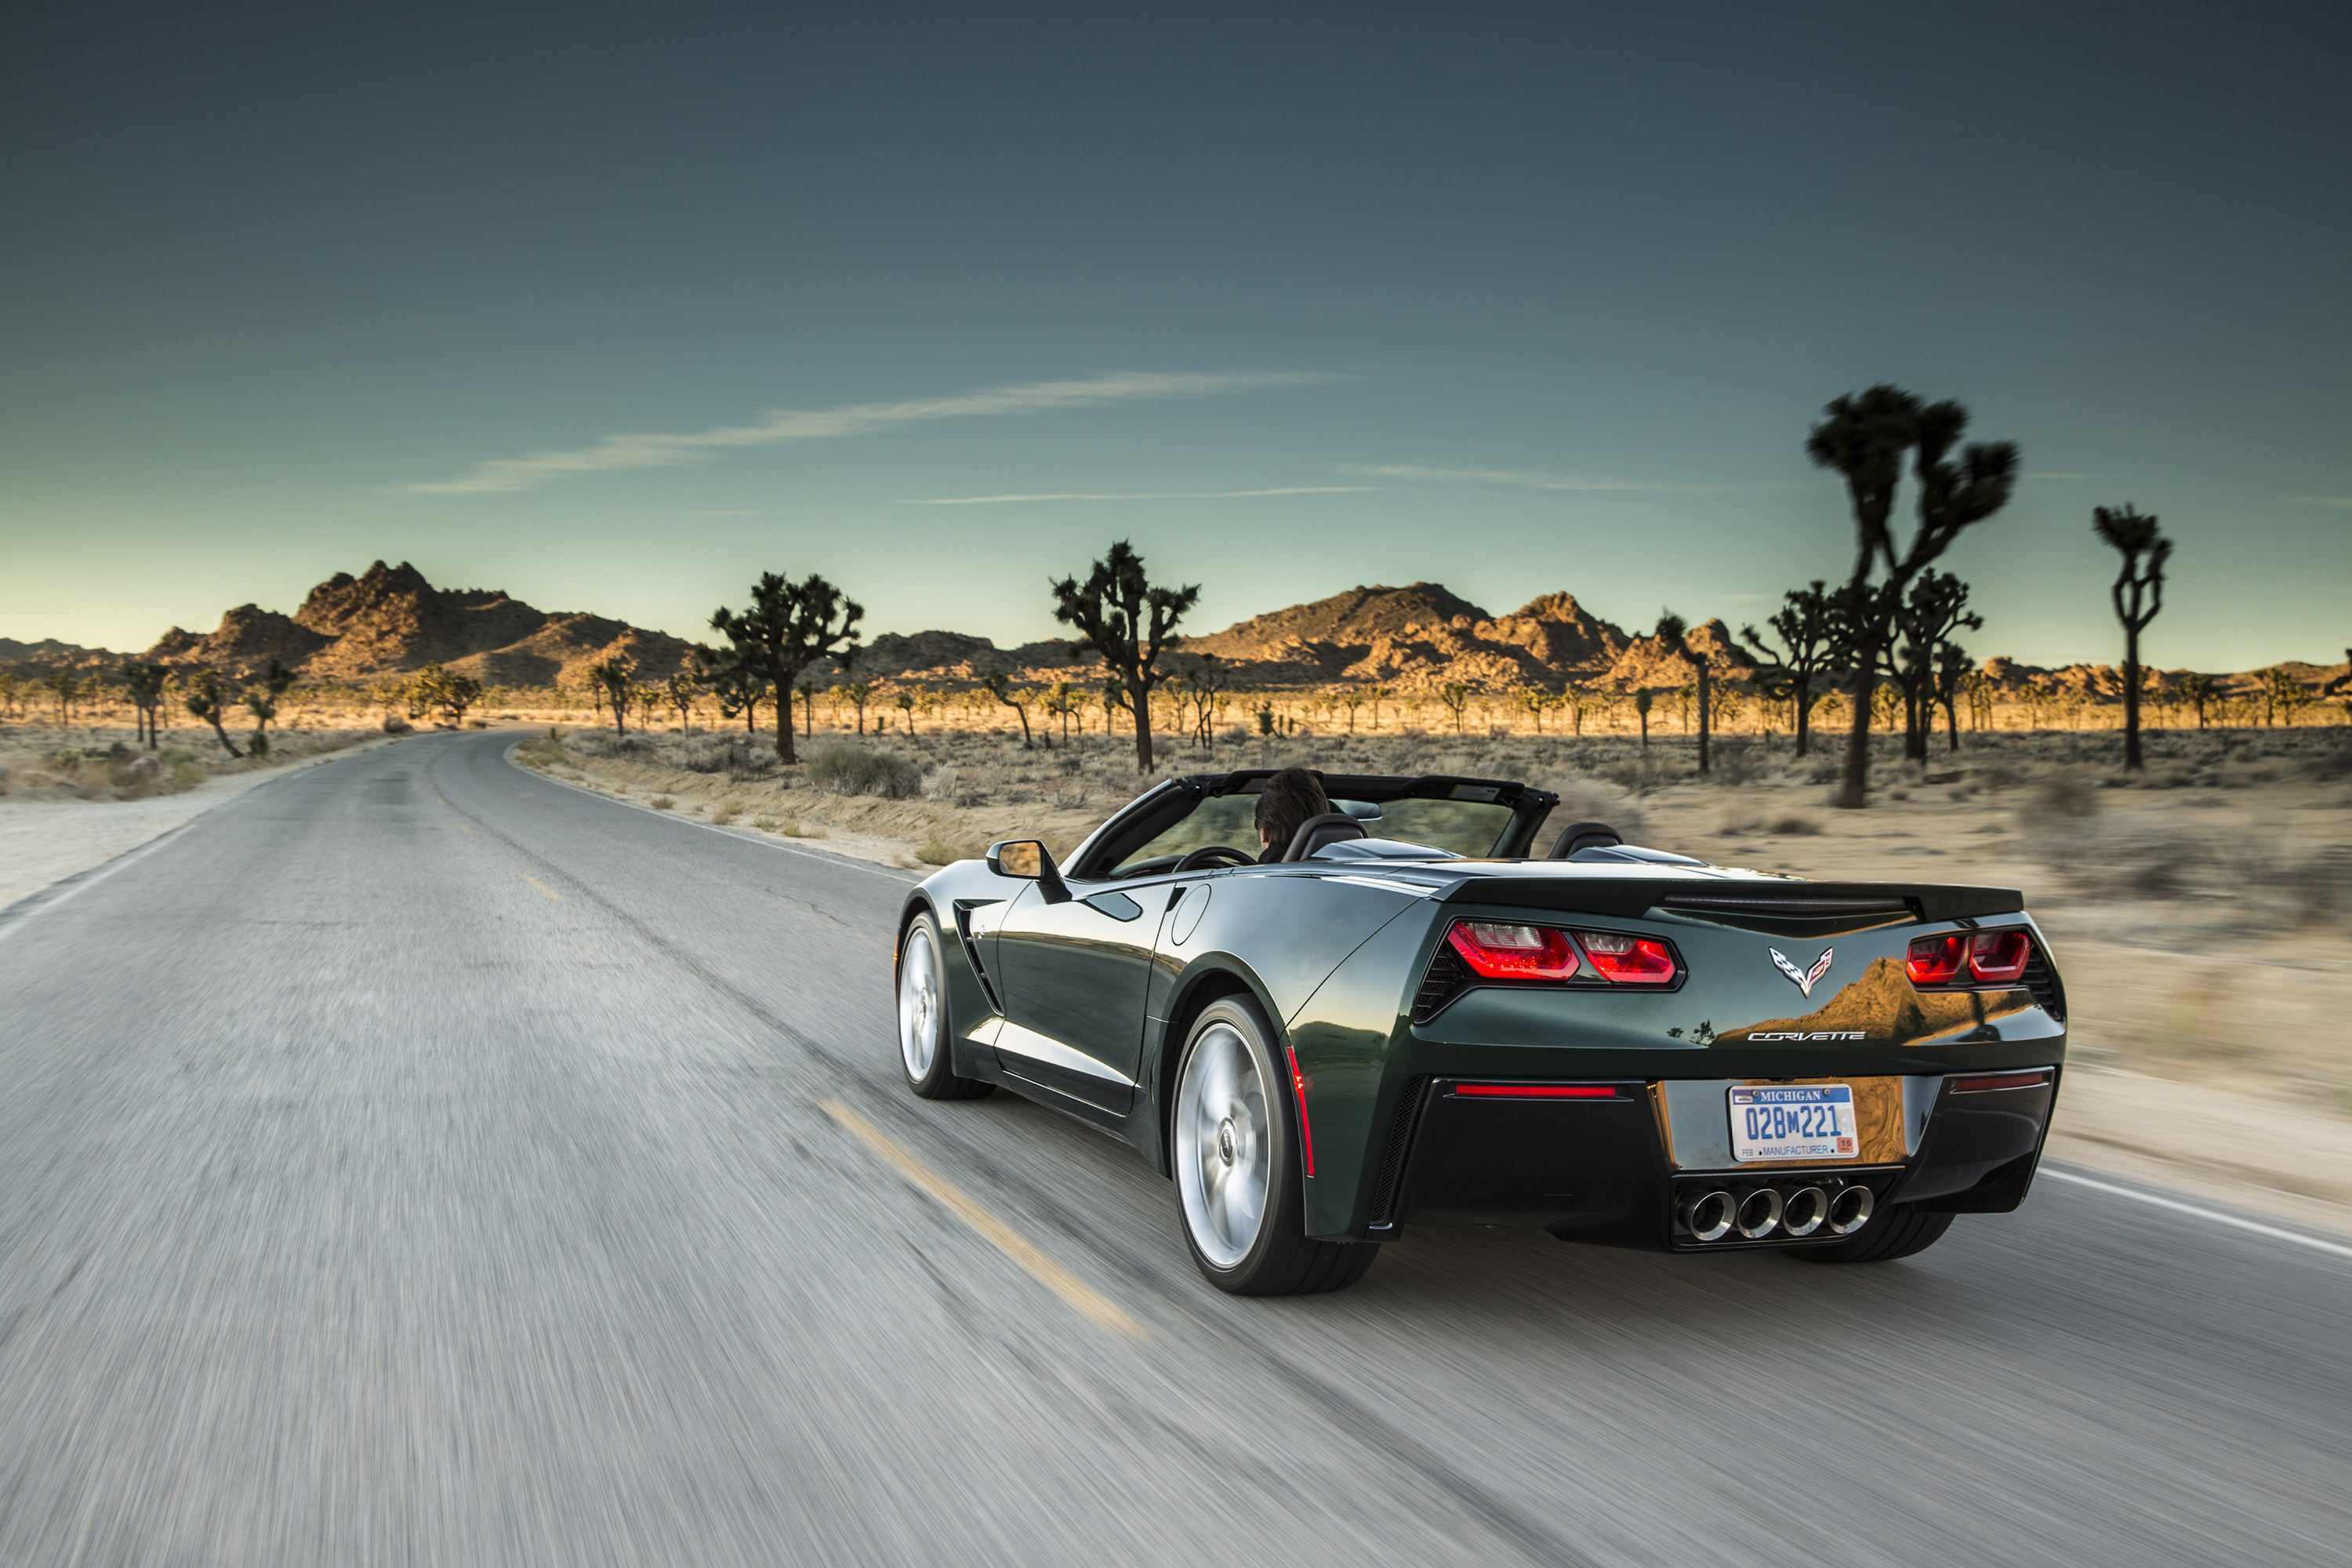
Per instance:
x=1026, y=860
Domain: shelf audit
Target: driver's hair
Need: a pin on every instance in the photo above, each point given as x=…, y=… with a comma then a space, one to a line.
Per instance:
x=1288, y=799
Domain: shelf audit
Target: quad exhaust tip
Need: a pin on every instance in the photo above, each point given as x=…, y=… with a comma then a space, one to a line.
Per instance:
x=1760, y=1213
x=1850, y=1211
x=1804, y=1211
x=1709, y=1215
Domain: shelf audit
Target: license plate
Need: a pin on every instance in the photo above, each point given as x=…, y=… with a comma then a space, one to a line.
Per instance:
x=1793, y=1122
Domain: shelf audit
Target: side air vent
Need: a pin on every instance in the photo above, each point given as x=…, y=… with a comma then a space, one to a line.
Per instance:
x=1447, y=978
x=2042, y=980
x=1384, y=1195
x=1785, y=914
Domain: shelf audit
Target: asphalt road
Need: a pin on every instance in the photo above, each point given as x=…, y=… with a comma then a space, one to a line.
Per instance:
x=415, y=1161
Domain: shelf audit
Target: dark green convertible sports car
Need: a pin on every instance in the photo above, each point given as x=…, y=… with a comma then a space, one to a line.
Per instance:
x=1411, y=1015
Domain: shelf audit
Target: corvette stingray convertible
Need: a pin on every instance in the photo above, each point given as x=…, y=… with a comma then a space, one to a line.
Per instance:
x=1412, y=1015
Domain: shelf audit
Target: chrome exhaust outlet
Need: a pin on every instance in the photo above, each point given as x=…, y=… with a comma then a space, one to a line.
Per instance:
x=1804, y=1211
x=1760, y=1214
x=1849, y=1210
x=1709, y=1216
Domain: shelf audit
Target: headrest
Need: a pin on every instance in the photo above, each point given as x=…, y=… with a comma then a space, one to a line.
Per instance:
x=1578, y=836
x=1317, y=831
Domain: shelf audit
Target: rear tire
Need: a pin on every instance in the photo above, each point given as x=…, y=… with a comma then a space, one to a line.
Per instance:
x=1897, y=1231
x=1234, y=1145
x=924, y=1027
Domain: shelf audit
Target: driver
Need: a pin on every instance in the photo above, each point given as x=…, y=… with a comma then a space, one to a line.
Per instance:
x=1288, y=799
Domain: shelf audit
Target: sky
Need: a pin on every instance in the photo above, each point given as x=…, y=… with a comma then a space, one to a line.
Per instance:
x=614, y=308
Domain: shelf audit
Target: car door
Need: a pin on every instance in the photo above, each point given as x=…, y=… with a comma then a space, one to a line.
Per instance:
x=1073, y=974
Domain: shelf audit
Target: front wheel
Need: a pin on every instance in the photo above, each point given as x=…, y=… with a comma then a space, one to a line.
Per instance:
x=1897, y=1231
x=1237, y=1169
x=923, y=1018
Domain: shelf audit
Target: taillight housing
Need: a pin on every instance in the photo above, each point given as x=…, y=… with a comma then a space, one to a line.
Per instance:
x=1959, y=959
x=1518, y=953
x=1502, y=950
x=1629, y=960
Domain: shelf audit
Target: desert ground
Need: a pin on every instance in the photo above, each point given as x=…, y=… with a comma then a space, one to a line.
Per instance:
x=2201, y=913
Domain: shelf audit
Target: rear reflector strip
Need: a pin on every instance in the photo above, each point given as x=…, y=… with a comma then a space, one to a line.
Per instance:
x=1538, y=1090
x=1298, y=1088
x=1982, y=1083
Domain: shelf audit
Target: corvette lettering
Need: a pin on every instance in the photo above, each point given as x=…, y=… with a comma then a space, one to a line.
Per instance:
x=1811, y=1034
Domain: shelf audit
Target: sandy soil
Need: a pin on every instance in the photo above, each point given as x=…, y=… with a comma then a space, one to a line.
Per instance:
x=2202, y=916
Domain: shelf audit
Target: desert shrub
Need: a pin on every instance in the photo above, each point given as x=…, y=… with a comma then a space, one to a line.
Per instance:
x=725, y=813
x=2065, y=794
x=1793, y=826
x=766, y=824
x=662, y=803
x=732, y=754
x=853, y=770
x=938, y=849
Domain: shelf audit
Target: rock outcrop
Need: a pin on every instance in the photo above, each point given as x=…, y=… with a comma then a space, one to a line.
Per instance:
x=390, y=622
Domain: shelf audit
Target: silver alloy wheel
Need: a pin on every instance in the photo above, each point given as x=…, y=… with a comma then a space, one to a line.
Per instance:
x=1224, y=1153
x=919, y=1002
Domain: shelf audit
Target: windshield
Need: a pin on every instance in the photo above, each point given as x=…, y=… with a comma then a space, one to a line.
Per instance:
x=1466, y=828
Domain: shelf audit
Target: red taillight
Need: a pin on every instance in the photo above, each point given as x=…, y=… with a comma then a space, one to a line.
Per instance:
x=1628, y=960
x=1998, y=957
x=1538, y=1090
x=1504, y=951
x=1937, y=960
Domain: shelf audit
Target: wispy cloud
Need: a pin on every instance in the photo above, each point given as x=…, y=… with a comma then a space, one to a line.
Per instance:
x=1144, y=495
x=2321, y=500
x=1537, y=481
x=612, y=454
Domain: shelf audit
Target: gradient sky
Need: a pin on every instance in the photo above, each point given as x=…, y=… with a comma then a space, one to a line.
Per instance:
x=613, y=308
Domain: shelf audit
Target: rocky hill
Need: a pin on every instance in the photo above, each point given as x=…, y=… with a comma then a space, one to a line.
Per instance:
x=1417, y=637
x=49, y=654
x=389, y=621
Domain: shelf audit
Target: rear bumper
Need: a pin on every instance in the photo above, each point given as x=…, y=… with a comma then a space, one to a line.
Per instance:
x=1619, y=1161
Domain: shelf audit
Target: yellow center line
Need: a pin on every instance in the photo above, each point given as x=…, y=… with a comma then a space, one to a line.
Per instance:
x=463, y=828
x=1090, y=1303
x=542, y=887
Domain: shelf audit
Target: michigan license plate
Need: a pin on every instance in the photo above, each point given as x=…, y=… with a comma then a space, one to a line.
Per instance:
x=1793, y=1122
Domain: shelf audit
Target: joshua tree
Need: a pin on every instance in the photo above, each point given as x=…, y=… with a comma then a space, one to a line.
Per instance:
x=2283, y=695
x=1455, y=697
x=616, y=679
x=1807, y=638
x=807, y=689
x=63, y=687
x=207, y=699
x=261, y=701
x=1865, y=437
x=1643, y=700
x=1674, y=639
x=999, y=685
x=2138, y=595
x=790, y=627
x=1935, y=607
x=679, y=691
x=905, y=702
x=860, y=693
x=1349, y=698
x=143, y=683
x=1120, y=616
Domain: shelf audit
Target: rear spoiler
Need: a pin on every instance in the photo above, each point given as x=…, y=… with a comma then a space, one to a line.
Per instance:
x=1785, y=909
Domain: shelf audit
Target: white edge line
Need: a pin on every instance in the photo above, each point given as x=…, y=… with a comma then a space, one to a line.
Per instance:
x=2256, y=1228
x=739, y=834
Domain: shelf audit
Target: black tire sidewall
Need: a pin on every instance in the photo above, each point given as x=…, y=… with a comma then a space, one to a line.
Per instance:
x=1283, y=1229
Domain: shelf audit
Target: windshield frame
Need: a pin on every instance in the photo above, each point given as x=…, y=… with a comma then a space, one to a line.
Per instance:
x=1165, y=804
